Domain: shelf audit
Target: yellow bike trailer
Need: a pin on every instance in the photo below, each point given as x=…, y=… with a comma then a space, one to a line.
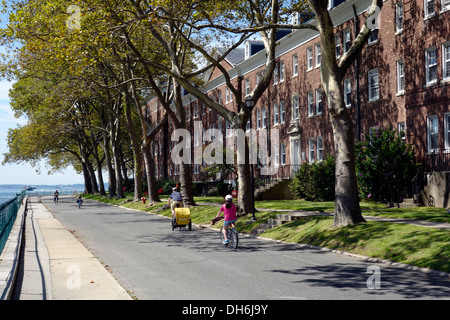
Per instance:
x=182, y=218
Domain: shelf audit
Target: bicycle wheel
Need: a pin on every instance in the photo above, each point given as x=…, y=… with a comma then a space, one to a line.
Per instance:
x=233, y=237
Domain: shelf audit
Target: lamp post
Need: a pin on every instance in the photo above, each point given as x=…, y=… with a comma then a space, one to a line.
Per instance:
x=250, y=103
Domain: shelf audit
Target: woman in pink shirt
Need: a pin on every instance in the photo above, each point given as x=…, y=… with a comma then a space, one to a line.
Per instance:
x=229, y=212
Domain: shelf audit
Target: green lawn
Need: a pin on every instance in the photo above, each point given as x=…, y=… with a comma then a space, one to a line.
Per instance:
x=423, y=247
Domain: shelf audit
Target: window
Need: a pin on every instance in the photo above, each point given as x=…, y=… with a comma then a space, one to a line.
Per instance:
x=447, y=130
x=431, y=66
x=373, y=38
x=429, y=8
x=294, y=65
x=310, y=104
x=400, y=77
x=282, y=112
x=247, y=87
x=446, y=60
x=275, y=114
x=281, y=71
x=283, y=154
x=445, y=5
x=264, y=118
x=195, y=111
x=311, y=149
x=402, y=130
x=319, y=149
x=337, y=40
x=258, y=119
x=275, y=75
x=398, y=17
x=347, y=40
x=309, y=58
x=227, y=95
x=374, y=87
x=318, y=55
x=348, y=92
x=433, y=133
x=318, y=101
x=295, y=107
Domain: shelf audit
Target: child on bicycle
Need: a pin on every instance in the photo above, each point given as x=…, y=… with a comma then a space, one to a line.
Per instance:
x=229, y=212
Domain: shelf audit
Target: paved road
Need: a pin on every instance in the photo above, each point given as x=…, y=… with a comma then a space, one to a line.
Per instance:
x=154, y=262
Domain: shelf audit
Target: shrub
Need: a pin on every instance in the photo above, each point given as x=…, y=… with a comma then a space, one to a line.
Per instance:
x=315, y=181
x=383, y=162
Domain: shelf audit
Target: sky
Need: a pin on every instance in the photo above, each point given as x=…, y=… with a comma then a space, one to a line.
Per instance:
x=24, y=174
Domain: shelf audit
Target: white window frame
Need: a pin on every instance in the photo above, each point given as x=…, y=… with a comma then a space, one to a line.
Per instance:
x=445, y=5
x=319, y=104
x=430, y=64
x=446, y=61
x=309, y=58
x=282, y=112
x=432, y=130
x=374, y=85
x=275, y=75
x=283, y=154
x=337, y=40
x=347, y=39
x=281, y=65
x=319, y=149
x=347, y=91
x=258, y=119
x=247, y=87
x=447, y=130
x=401, y=127
x=310, y=101
x=264, y=118
x=318, y=55
x=294, y=65
x=399, y=17
x=276, y=114
x=400, y=77
x=428, y=13
x=311, y=144
x=295, y=107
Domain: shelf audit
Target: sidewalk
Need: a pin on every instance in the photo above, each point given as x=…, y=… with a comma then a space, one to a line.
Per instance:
x=56, y=266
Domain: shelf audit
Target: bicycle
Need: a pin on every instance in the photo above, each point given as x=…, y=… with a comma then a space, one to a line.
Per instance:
x=56, y=199
x=232, y=234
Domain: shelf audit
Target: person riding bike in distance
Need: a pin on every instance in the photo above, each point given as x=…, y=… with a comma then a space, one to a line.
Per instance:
x=56, y=196
x=229, y=212
x=177, y=201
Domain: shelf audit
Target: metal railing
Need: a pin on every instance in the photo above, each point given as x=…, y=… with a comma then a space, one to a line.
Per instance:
x=438, y=161
x=8, y=214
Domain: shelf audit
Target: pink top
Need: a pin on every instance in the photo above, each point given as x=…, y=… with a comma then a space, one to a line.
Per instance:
x=229, y=214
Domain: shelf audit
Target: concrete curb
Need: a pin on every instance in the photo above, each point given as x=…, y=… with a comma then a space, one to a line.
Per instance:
x=9, y=260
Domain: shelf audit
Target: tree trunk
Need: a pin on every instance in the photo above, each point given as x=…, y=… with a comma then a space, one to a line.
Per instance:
x=347, y=209
x=153, y=195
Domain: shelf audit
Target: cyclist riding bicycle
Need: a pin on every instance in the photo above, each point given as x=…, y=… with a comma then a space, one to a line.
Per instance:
x=55, y=196
x=176, y=201
x=229, y=212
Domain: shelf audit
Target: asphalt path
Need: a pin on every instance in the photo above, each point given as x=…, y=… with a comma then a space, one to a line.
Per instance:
x=153, y=262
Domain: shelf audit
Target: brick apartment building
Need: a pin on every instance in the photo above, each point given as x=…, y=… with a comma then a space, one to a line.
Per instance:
x=401, y=80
